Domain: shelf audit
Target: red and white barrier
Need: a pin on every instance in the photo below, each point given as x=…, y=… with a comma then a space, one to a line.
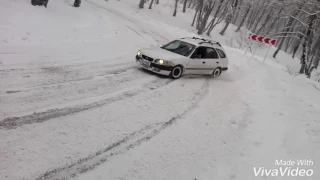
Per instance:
x=262, y=39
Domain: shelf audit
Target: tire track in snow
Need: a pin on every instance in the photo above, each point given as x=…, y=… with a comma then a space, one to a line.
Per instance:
x=134, y=31
x=13, y=122
x=67, y=82
x=64, y=172
x=134, y=22
x=128, y=142
x=98, y=64
x=119, y=15
x=316, y=87
x=109, y=82
x=110, y=72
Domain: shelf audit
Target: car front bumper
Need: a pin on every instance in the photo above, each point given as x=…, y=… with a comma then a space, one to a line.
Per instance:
x=156, y=68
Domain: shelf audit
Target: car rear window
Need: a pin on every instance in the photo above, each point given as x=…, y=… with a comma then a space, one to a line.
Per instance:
x=221, y=53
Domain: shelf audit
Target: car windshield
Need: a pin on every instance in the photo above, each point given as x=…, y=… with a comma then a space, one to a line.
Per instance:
x=179, y=47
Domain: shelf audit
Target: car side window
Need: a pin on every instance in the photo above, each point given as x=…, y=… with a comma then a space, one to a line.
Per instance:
x=221, y=53
x=211, y=54
x=199, y=53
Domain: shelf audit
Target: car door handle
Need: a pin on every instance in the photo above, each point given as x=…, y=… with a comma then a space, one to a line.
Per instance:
x=217, y=62
x=203, y=62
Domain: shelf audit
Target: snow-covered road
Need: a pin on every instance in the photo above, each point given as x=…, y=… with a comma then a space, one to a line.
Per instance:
x=77, y=106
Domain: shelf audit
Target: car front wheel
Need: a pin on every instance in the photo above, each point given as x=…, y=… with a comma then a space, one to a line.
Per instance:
x=176, y=72
x=216, y=72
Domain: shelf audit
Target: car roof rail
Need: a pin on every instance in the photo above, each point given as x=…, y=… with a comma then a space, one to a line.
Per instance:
x=211, y=42
x=204, y=40
x=194, y=38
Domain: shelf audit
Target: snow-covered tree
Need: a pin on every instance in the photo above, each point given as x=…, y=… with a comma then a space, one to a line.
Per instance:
x=175, y=8
x=141, y=4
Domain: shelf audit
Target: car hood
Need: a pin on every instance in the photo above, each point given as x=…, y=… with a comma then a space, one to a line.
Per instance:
x=159, y=53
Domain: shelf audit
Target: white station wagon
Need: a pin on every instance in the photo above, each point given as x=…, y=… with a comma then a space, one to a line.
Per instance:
x=185, y=56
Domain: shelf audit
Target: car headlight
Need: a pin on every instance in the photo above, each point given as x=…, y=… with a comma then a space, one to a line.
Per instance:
x=139, y=53
x=161, y=61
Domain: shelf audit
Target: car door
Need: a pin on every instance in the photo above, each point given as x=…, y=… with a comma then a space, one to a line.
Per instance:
x=213, y=60
x=198, y=63
x=223, y=59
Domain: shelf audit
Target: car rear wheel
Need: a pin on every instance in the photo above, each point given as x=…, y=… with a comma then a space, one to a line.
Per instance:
x=176, y=72
x=216, y=72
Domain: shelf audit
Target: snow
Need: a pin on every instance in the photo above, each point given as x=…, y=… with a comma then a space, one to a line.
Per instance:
x=86, y=111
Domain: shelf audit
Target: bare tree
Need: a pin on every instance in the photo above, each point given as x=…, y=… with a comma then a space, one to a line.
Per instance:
x=259, y=14
x=195, y=16
x=150, y=6
x=190, y=2
x=201, y=2
x=203, y=21
x=305, y=58
x=230, y=14
x=275, y=21
x=40, y=2
x=217, y=18
x=287, y=28
x=141, y=4
x=246, y=13
x=266, y=20
x=175, y=8
x=184, y=6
